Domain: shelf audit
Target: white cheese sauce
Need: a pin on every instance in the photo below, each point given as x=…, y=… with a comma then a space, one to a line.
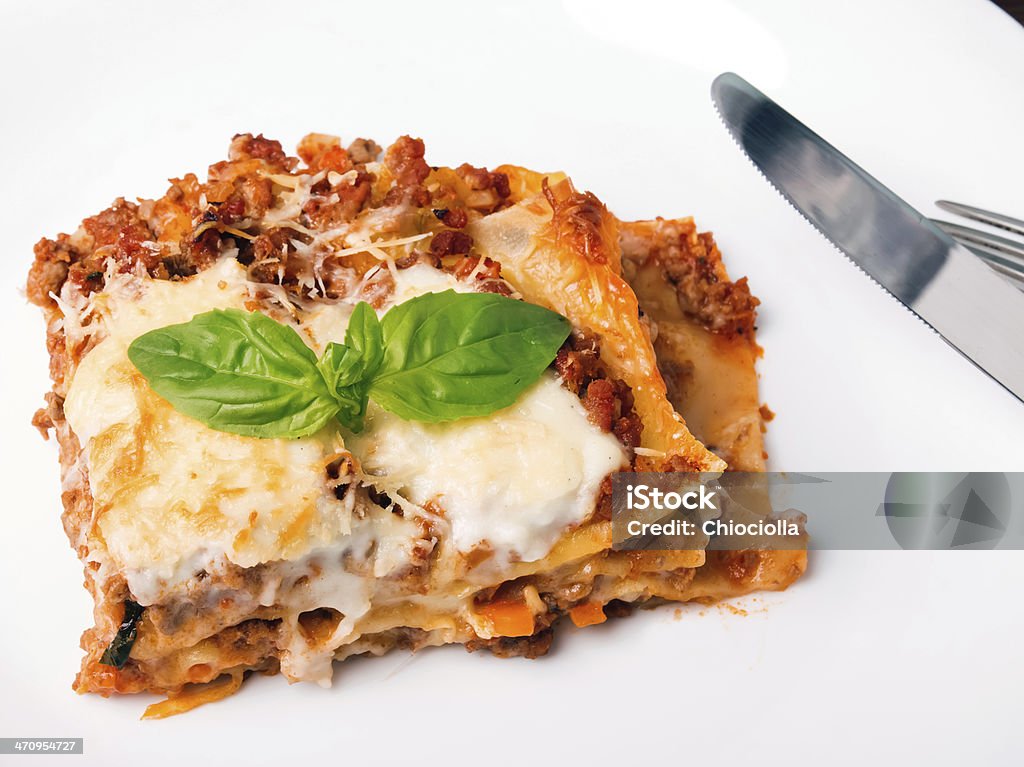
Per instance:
x=512, y=481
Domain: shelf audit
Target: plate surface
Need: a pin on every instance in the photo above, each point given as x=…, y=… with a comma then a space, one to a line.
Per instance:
x=871, y=656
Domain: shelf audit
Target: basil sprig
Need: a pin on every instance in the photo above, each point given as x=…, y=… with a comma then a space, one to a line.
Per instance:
x=438, y=357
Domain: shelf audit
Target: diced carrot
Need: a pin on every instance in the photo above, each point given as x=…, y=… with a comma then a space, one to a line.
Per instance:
x=587, y=614
x=509, y=619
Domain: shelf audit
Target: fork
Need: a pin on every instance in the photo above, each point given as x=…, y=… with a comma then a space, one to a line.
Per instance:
x=1004, y=255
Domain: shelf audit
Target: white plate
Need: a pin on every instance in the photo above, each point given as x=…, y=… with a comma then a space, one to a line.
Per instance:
x=872, y=656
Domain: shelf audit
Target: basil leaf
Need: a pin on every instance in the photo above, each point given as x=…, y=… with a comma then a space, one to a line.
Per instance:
x=346, y=367
x=359, y=357
x=365, y=336
x=238, y=372
x=120, y=646
x=454, y=355
x=338, y=365
x=438, y=357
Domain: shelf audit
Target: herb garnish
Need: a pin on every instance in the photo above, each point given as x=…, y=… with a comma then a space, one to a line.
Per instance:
x=438, y=357
x=120, y=646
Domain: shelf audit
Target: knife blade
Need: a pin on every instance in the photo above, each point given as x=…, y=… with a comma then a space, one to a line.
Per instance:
x=967, y=304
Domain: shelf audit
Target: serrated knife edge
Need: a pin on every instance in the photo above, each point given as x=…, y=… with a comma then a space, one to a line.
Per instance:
x=942, y=284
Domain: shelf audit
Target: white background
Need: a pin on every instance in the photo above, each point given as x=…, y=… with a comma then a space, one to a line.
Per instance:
x=886, y=657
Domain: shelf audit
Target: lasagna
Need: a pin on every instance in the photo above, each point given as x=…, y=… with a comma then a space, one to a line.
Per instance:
x=210, y=554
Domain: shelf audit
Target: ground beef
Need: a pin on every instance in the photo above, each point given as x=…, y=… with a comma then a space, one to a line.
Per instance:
x=404, y=159
x=494, y=286
x=120, y=219
x=269, y=255
x=619, y=609
x=49, y=270
x=244, y=146
x=456, y=218
x=578, y=361
x=490, y=270
x=416, y=257
x=363, y=150
x=721, y=306
x=480, y=179
x=352, y=197
x=449, y=242
x=599, y=400
x=609, y=403
x=691, y=262
x=628, y=429
x=377, y=290
x=511, y=647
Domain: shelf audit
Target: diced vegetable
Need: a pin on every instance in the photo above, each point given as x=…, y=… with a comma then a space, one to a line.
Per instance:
x=196, y=695
x=509, y=619
x=587, y=614
x=117, y=652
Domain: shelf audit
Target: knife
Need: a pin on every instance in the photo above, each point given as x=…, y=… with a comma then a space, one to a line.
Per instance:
x=963, y=300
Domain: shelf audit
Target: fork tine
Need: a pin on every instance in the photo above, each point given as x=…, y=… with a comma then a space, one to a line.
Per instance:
x=1012, y=276
x=998, y=263
x=991, y=244
x=984, y=216
x=1012, y=273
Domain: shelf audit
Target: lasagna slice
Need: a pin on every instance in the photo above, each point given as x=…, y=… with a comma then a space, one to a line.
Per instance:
x=210, y=555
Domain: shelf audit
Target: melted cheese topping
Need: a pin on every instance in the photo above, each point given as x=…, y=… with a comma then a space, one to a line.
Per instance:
x=513, y=481
x=173, y=497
